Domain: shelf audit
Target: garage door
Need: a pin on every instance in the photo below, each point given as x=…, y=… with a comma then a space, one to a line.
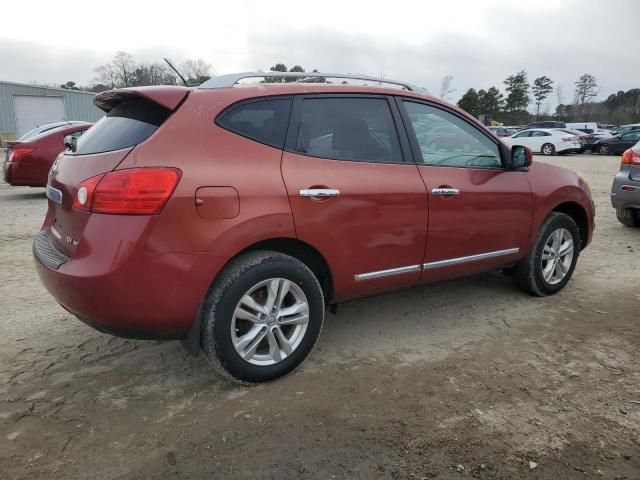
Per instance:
x=33, y=111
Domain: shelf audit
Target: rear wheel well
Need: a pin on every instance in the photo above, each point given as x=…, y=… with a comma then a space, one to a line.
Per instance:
x=579, y=215
x=304, y=252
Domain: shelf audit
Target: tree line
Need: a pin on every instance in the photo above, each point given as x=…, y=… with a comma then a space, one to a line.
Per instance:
x=513, y=108
x=510, y=107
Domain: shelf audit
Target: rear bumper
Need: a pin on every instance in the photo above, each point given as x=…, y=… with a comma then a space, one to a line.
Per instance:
x=17, y=176
x=622, y=195
x=122, y=290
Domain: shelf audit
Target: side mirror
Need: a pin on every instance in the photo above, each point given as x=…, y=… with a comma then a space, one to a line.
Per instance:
x=521, y=157
x=70, y=142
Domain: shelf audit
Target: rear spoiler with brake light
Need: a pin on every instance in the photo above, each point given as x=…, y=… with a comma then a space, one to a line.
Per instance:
x=168, y=97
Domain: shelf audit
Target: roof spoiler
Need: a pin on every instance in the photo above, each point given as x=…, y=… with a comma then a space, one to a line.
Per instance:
x=168, y=97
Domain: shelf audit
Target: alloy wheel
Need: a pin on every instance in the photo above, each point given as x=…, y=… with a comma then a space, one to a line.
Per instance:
x=547, y=149
x=270, y=321
x=557, y=256
x=604, y=149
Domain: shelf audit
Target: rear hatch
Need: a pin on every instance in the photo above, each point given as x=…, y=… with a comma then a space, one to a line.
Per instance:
x=132, y=116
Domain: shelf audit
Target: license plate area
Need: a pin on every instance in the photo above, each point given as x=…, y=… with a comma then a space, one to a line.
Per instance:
x=54, y=195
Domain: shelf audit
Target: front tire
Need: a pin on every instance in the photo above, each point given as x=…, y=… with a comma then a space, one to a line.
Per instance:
x=262, y=317
x=552, y=258
x=628, y=217
x=603, y=149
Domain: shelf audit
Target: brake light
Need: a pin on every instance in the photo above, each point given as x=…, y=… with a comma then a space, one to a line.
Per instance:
x=16, y=153
x=567, y=139
x=631, y=157
x=136, y=191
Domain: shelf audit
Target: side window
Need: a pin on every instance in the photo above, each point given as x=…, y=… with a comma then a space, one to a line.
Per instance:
x=539, y=133
x=449, y=141
x=349, y=128
x=631, y=137
x=522, y=134
x=265, y=121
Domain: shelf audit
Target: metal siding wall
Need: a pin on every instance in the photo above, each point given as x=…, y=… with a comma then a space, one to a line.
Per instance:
x=78, y=106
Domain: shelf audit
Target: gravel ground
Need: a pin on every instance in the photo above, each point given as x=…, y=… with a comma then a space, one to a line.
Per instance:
x=468, y=378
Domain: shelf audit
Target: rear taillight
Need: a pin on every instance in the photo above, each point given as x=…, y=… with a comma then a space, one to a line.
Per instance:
x=631, y=157
x=84, y=194
x=136, y=191
x=568, y=139
x=16, y=153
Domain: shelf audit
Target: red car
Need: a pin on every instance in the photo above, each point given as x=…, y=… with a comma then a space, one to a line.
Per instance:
x=28, y=160
x=231, y=217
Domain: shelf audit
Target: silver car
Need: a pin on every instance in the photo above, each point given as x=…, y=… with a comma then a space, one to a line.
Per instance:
x=625, y=192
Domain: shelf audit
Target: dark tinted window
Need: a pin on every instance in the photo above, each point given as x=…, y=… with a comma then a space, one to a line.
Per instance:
x=348, y=128
x=265, y=121
x=449, y=141
x=126, y=125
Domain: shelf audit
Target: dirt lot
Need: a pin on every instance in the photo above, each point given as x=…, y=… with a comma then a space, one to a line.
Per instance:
x=465, y=379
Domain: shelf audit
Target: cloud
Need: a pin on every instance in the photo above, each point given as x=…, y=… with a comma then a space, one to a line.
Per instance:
x=479, y=44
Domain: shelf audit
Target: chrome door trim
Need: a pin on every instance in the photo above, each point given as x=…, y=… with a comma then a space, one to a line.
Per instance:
x=445, y=192
x=470, y=258
x=319, y=192
x=386, y=273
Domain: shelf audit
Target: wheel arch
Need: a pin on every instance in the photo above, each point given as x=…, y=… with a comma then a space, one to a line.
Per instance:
x=300, y=250
x=579, y=215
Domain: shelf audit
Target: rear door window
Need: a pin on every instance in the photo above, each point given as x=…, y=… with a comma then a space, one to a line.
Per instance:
x=265, y=121
x=348, y=128
x=127, y=124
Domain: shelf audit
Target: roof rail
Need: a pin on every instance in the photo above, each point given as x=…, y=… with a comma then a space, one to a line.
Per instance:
x=229, y=80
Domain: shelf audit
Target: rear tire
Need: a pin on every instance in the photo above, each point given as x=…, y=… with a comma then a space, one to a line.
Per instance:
x=246, y=334
x=548, y=149
x=628, y=217
x=547, y=267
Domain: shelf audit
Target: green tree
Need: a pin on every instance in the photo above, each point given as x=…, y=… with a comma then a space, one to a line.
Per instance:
x=517, y=97
x=470, y=102
x=542, y=87
x=491, y=102
x=586, y=89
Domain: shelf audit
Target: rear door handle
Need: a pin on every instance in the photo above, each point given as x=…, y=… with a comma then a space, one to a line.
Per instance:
x=319, y=192
x=445, y=192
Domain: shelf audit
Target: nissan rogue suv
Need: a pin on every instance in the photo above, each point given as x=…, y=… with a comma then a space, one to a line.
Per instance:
x=231, y=215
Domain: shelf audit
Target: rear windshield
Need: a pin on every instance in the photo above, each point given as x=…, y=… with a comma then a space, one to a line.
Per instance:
x=126, y=125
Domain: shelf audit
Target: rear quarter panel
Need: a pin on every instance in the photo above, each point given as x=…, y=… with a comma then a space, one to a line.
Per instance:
x=210, y=156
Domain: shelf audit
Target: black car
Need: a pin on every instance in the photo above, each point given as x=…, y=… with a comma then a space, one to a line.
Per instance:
x=617, y=144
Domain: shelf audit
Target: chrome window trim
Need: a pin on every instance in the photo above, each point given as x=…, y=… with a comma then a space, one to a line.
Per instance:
x=386, y=273
x=470, y=258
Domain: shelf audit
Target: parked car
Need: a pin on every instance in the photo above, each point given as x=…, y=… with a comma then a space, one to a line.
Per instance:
x=546, y=124
x=626, y=129
x=231, y=218
x=502, y=131
x=586, y=139
x=546, y=141
x=625, y=192
x=46, y=127
x=616, y=144
x=27, y=161
x=586, y=127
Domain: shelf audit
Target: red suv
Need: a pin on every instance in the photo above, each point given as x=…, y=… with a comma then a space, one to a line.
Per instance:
x=230, y=216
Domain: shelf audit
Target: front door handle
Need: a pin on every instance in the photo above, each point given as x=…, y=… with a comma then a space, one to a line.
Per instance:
x=445, y=192
x=319, y=192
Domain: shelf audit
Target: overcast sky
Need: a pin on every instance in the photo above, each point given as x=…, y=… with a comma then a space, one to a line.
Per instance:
x=479, y=42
